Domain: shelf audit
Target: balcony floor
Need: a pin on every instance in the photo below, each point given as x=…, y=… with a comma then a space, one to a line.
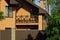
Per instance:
x=27, y=26
x=26, y=23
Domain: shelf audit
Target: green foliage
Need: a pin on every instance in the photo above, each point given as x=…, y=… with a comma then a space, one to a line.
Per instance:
x=33, y=0
x=50, y=1
x=52, y=34
x=1, y=16
x=53, y=30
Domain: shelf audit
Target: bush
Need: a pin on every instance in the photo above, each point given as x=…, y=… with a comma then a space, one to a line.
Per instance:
x=1, y=16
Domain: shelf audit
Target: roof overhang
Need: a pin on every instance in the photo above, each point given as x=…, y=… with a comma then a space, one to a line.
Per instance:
x=13, y=2
x=40, y=10
x=43, y=12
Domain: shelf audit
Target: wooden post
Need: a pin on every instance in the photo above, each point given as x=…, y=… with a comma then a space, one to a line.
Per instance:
x=40, y=25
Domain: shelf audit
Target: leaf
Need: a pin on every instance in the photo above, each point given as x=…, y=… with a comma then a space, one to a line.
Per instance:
x=1, y=16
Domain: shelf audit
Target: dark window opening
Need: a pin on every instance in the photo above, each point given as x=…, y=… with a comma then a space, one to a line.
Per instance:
x=8, y=11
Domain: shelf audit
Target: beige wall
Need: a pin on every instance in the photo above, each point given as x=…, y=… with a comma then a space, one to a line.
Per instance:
x=6, y=22
x=10, y=22
x=44, y=23
x=23, y=12
x=40, y=22
x=42, y=3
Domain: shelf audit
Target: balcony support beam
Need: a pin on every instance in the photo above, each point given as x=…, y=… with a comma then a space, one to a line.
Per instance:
x=40, y=25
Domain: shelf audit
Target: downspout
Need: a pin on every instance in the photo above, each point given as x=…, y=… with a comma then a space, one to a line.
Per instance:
x=13, y=34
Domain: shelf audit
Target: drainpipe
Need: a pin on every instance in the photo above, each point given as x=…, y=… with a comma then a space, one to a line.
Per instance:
x=13, y=34
x=49, y=9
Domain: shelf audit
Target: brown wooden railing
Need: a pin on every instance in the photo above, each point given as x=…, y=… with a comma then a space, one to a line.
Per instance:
x=26, y=19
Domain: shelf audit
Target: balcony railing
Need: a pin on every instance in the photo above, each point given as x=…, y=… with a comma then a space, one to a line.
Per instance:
x=26, y=19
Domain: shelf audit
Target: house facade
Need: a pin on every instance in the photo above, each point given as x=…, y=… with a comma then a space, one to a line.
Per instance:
x=23, y=14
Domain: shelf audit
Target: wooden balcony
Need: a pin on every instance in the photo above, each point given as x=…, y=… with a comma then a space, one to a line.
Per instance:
x=26, y=20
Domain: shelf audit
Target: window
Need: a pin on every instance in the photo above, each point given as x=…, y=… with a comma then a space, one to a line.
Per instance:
x=45, y=4
x=37, y=2
x=8, y=11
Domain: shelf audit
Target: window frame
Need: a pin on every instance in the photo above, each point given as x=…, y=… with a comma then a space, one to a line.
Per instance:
x=7, y=11
x=44, y=4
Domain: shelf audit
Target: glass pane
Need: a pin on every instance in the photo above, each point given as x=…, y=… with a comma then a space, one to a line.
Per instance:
x=6, y=10
x=37, y=2
x=10, y=11
x=45, y=4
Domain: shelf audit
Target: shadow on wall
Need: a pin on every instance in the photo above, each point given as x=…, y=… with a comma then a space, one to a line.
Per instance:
x=40, y=36
x=29, y=37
